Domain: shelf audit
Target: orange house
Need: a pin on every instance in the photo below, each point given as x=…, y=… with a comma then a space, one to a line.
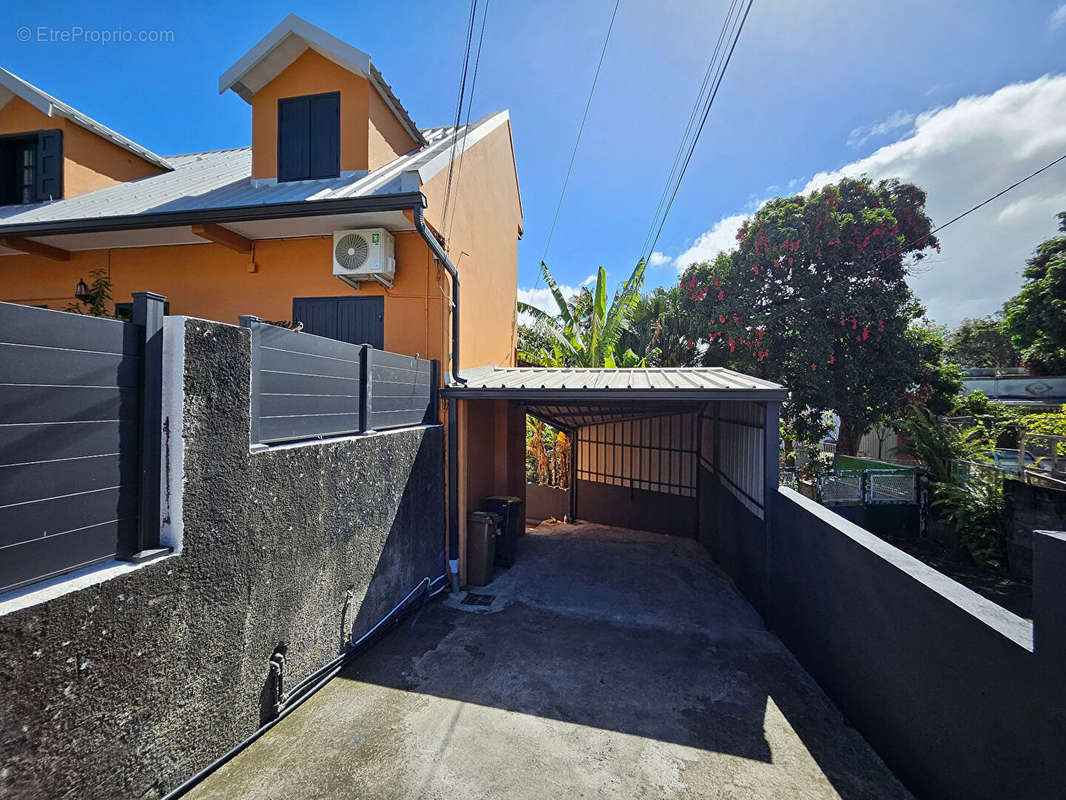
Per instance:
x=267, y=229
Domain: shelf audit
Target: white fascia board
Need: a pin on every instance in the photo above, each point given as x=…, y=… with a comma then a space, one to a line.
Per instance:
x=478, y=131
x=276, y=51
x=51, y=107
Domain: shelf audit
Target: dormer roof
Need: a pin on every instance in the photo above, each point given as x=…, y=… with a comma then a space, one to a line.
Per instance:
x=12, y=85
x=288, y=41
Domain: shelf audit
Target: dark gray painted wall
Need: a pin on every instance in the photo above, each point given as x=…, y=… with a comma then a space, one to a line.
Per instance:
x=636, y=508
x=126, y=688
x=546, y=501
x=1029, y=508
x=938, y=680
x=737, y=539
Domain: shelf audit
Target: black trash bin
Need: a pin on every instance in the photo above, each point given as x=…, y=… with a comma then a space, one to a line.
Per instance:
x=512, y=513
x=480, y=547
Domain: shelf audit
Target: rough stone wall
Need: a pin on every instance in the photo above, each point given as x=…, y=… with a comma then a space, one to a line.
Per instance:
x=1029, y=508
x=127, y=688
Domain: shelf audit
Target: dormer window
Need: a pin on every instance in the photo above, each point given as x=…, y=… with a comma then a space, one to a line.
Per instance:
x=31, y=168
x=309, y=137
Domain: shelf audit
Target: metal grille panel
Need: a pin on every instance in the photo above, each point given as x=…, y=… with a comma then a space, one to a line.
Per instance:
x=657, y=454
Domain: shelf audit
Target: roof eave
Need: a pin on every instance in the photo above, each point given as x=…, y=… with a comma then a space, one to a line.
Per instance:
x=327, y=45
x=52, y=107
x=170, y=219
x=587, y=395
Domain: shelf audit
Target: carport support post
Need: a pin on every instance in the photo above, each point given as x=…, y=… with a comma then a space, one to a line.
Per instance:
x=573, y=474
x=453, y=492
x=771, y=454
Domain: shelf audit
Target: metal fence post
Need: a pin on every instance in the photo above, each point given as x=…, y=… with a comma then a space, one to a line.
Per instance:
x=148, y=317
x=254, y=326
x=366, y=387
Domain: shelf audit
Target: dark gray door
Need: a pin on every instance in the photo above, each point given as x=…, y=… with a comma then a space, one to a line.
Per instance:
x=358, y=320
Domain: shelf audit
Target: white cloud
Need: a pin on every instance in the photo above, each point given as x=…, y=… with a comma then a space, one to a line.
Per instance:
x=658, y=259
x=859, y=136
x=1058, y=17
x=541, y=297
x=723, y=236
x=961, y=155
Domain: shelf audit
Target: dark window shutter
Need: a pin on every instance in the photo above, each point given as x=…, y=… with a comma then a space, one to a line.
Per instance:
x=294, y=139
x=49, y=163
x=325, y=135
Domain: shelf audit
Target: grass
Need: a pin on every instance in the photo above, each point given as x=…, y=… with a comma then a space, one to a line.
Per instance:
x=852, y=462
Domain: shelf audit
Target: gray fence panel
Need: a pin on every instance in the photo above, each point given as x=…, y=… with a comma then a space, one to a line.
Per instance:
x=400, y=390
x=69, y=441
x=306, y=386
x=303, y=386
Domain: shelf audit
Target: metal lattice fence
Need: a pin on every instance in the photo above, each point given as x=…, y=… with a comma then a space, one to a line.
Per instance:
x=892, y=487
x=840, y=487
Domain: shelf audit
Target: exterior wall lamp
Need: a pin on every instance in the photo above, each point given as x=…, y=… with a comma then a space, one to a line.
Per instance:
x=81, y=291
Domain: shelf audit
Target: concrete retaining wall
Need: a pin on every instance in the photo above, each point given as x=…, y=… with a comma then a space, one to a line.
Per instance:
x=1028, y=508
x=127, y=687
x=546, y=501
x=943, y=683
x=636, y=508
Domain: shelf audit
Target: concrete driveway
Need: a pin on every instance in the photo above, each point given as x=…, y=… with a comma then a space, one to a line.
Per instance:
x=612, y=664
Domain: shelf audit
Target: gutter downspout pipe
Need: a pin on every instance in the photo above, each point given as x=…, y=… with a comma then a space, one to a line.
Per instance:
x=453, y=411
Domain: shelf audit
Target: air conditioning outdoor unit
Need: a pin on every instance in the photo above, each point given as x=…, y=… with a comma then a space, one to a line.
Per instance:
x=367, y=254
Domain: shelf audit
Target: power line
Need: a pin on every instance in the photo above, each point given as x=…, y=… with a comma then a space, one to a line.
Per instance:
x=922, y=239
x=997, y=195
x=580, y=130
x=738, y=27
x=693, y=115
x=459, y=107
x=466, y=123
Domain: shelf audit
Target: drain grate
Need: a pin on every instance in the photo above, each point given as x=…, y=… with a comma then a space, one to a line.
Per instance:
x=473, y=599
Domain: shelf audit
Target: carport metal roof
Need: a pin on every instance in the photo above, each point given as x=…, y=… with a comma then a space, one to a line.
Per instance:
x=574, y=384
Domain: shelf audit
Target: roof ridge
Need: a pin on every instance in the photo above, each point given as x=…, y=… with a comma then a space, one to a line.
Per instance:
x=205, y=152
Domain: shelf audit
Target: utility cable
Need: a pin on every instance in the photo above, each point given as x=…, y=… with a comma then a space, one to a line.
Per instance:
x=577, y=141
x=459, y=107
x=707, y=109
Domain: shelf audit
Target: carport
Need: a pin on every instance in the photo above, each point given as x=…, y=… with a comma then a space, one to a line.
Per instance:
x=683, y=451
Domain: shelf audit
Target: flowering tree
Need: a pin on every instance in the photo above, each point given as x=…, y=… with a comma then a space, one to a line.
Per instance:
x=1036, y=316
x=815, y=297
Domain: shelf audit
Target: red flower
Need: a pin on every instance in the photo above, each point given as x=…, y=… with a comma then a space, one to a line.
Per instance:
x=721, y=294
x=814, y=367
x=865, y=333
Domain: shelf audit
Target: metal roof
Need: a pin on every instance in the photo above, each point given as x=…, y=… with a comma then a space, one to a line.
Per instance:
x=286, y=42
x=221, y=179
x=571, y=383
x=12, y=85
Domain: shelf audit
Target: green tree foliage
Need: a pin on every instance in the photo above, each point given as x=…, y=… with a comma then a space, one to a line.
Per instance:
x=585, y=332
x=971, y=501
x=815, y=297
x=660, y=329
x=1036, y=316
x=981, y=343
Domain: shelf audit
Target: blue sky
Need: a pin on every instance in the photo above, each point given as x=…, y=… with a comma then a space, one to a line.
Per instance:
x=814, y=87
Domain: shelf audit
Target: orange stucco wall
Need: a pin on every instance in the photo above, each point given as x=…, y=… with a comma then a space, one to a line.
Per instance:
x=213, y=282
x=388, y=138
x=482, y=236
x=89, y=162
x=370, y=134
